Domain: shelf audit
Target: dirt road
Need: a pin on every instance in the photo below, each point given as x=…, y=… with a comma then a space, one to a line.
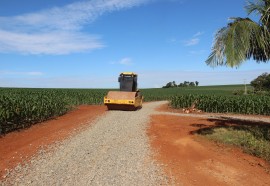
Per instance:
x=114, y=150
x=146, y=147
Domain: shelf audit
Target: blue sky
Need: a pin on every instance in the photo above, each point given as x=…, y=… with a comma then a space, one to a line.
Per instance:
x=86, y=44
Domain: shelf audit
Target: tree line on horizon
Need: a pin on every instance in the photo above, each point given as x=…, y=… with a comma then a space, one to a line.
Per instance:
x=173, y=84
x=261, y=83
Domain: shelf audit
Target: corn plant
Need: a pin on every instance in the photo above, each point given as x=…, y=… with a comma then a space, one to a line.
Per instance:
x=225, y=104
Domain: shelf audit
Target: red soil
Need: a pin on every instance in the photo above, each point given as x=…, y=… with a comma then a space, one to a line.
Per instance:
x=190, y=159
x=193, y=160
x=19, y=146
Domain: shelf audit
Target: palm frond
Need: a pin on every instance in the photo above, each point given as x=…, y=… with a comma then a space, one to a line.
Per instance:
x=242, y=39
x=265, y=18
x=255, y=7
x=262, y=8
x=216, y=58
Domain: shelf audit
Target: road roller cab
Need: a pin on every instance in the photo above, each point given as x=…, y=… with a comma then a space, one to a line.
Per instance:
x=128, y=98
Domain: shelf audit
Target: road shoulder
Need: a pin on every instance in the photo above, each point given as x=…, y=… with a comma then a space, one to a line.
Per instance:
x=193, y=160
x=18, y=147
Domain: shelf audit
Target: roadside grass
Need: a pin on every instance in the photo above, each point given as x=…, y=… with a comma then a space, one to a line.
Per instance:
x=252, y=137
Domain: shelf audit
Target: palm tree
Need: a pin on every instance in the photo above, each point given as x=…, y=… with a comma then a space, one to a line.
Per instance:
x=243, y=39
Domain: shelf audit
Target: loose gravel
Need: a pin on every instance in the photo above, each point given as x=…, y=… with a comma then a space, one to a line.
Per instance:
x=114, y=150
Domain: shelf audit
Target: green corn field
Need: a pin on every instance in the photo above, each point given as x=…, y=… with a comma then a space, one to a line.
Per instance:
x=22, y=107
x=224, y=104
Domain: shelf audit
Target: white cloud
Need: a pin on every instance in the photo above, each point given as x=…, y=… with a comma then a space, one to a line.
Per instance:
x=71, y=16
x=191, y=42
x=194, y=40
x=198, y=34
x=47, y=43
x=124, y=61
x=57, y=30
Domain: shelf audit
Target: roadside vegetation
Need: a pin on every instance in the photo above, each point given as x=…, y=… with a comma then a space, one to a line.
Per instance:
x=252, y=137
x=21, y=107
x=259, y=105
x=261, y=83
x=241, y=40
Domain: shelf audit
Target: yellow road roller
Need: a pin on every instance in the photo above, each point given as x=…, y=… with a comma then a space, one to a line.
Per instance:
x=128, y=98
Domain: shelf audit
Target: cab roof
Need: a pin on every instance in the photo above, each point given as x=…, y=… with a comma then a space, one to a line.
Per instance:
x=128, y=73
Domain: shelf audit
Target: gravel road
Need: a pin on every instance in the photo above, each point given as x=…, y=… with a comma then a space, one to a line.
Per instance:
x=114, y=150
